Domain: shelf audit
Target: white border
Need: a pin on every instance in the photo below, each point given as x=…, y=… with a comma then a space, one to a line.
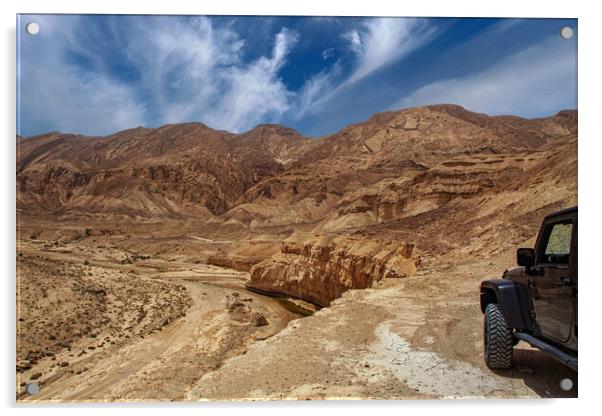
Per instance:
x=462, y=8
x=590, y=188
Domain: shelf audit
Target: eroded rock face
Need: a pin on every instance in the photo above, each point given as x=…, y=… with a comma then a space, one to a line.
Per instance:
x=175, y=171
x=319, y=269
x=272, y=176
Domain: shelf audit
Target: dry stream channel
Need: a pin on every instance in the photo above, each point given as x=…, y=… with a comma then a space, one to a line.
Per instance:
x=223, y=319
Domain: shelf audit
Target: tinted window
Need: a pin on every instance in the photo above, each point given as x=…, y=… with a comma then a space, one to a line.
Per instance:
x=558, y=245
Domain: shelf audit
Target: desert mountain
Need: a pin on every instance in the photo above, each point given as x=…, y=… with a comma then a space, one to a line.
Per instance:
x=172, y=171
x=441, y=177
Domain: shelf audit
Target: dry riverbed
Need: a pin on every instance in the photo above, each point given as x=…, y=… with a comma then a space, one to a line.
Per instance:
x=94, y=329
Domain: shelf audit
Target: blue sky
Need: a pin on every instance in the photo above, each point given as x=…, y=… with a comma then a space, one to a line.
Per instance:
x=98, y=74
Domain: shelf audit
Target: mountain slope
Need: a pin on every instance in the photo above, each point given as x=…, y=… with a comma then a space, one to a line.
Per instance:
x=393, y=166
x=173, y=171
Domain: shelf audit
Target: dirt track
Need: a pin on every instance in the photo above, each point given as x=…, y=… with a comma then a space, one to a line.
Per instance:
x=419, y=338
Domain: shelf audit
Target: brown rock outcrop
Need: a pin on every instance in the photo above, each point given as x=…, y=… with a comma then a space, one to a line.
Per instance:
x=320, y=268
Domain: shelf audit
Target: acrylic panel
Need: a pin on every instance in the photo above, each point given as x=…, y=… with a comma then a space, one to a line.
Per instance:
x=268, y=208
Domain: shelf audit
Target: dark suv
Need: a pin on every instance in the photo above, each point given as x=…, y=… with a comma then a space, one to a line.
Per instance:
x=537, y=301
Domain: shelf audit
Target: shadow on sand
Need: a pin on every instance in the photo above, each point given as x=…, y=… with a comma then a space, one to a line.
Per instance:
x=540, y=372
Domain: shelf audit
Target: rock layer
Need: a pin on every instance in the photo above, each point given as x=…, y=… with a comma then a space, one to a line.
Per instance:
x=320, y=268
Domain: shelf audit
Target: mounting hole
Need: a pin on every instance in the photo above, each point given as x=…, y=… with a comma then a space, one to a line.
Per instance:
x=32, y=388
x=566, y=384
x=32, y=28
x=566, y=32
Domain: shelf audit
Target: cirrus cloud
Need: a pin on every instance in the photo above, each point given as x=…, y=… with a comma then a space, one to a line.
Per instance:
x=376, y=44
x=184, y=70
x=533, y=82
x=97, y=74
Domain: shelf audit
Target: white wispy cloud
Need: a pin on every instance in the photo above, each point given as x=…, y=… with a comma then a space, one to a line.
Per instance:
x=254, y=93
x=328, y=53
x=196, y=72
x=313, y=91
x=533, y=82
x=354, y=40
x=190, y=70
x=383, y=41
x=56, y=94
x=376, y=44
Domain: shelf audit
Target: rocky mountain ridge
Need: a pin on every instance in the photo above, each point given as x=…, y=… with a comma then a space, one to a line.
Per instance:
x=191, y=170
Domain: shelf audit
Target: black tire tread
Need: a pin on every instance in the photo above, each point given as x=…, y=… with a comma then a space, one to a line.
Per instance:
x=498, y=351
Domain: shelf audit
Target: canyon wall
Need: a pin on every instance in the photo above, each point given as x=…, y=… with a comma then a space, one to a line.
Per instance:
x=319, y=268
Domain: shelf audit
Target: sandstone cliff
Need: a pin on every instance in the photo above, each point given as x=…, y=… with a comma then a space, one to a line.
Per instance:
x=320, y=268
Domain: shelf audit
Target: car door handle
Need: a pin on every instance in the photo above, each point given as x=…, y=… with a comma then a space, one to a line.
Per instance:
x=565, y=281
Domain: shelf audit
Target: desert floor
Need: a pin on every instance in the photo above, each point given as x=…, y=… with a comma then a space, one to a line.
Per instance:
x=97, y=323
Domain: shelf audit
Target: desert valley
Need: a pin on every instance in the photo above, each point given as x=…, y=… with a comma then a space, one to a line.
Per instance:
x=186, y=263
